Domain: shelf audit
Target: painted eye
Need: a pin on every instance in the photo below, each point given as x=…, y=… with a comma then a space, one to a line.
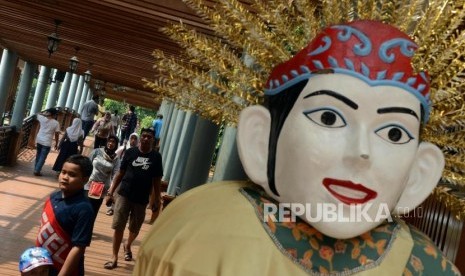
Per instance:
x=394, y=134
x=326, y=117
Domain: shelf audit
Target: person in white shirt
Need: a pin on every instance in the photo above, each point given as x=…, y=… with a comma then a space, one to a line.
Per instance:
x=115, y=120
x=49, y=128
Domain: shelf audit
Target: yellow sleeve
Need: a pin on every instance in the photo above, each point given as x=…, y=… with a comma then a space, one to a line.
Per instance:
x=211, y=230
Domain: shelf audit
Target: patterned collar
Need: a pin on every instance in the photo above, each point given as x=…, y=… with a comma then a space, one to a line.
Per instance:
x=321, y=255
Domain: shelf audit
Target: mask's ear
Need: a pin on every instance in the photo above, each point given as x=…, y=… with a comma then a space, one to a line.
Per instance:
x=424, y=175
x=253, y=133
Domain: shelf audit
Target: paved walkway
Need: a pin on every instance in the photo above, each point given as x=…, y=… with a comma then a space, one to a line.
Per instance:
x=22, y=196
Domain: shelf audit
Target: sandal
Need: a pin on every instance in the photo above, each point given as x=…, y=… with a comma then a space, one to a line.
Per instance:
x=127, y=254
x=110, y=265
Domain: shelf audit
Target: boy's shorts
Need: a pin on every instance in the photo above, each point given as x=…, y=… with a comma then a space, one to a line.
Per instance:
x=124, y=210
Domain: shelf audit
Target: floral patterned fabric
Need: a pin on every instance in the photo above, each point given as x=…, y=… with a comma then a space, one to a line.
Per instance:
x=426, y=258
x=320, y=254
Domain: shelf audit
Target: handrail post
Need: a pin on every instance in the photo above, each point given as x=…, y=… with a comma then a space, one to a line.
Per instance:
x=15, y=144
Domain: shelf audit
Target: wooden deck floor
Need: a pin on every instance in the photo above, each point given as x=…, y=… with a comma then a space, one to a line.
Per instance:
x=22, y=196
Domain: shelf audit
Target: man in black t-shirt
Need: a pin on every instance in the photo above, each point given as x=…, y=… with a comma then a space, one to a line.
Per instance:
x=140, y=171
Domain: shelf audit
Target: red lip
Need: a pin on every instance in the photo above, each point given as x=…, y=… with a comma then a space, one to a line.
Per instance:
x=370, y=194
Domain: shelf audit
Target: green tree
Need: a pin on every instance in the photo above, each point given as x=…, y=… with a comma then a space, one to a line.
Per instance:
x=111, y=105
x=145, y=115
x=146, y=121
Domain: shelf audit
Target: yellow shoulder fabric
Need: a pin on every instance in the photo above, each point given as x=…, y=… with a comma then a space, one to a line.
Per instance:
x=214, y=230
x=211, y=230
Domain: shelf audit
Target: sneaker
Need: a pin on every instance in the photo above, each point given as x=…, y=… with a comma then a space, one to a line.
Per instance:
x=37, y=174
x=109, y=212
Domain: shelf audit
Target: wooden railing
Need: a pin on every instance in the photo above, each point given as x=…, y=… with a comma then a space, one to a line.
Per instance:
x=27, y=130
x=6, y=136
x=12, y=143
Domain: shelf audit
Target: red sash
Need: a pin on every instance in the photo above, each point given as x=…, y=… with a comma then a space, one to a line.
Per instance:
x=52, y=237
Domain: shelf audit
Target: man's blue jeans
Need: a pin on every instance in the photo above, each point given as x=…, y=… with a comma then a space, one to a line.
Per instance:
x=41, y=155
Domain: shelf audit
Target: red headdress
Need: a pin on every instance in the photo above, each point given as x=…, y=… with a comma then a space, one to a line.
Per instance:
x=375, y=52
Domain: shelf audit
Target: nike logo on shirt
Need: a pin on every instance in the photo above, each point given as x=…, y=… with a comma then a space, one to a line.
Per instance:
x=142, y=162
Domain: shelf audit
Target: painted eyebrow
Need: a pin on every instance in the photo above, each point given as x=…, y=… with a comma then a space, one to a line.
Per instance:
x=335, y=95
x=398, y=110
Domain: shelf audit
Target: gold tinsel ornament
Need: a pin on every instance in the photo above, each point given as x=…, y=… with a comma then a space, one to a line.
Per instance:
x=224, y=74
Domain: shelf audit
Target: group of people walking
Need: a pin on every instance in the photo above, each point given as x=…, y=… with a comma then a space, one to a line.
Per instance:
x=125, y=172
x=72, y=141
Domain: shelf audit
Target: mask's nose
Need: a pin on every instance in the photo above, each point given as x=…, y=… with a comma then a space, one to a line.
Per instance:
x=358, y=146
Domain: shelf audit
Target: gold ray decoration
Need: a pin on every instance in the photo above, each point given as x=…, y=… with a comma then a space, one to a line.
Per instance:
x=220, y=58
x=310, y=24
x=277, y=12
x=226, y=73
x=329, y=12
x=415, y=11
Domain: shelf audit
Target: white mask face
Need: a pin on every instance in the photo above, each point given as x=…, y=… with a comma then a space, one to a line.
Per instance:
x=346, y=142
